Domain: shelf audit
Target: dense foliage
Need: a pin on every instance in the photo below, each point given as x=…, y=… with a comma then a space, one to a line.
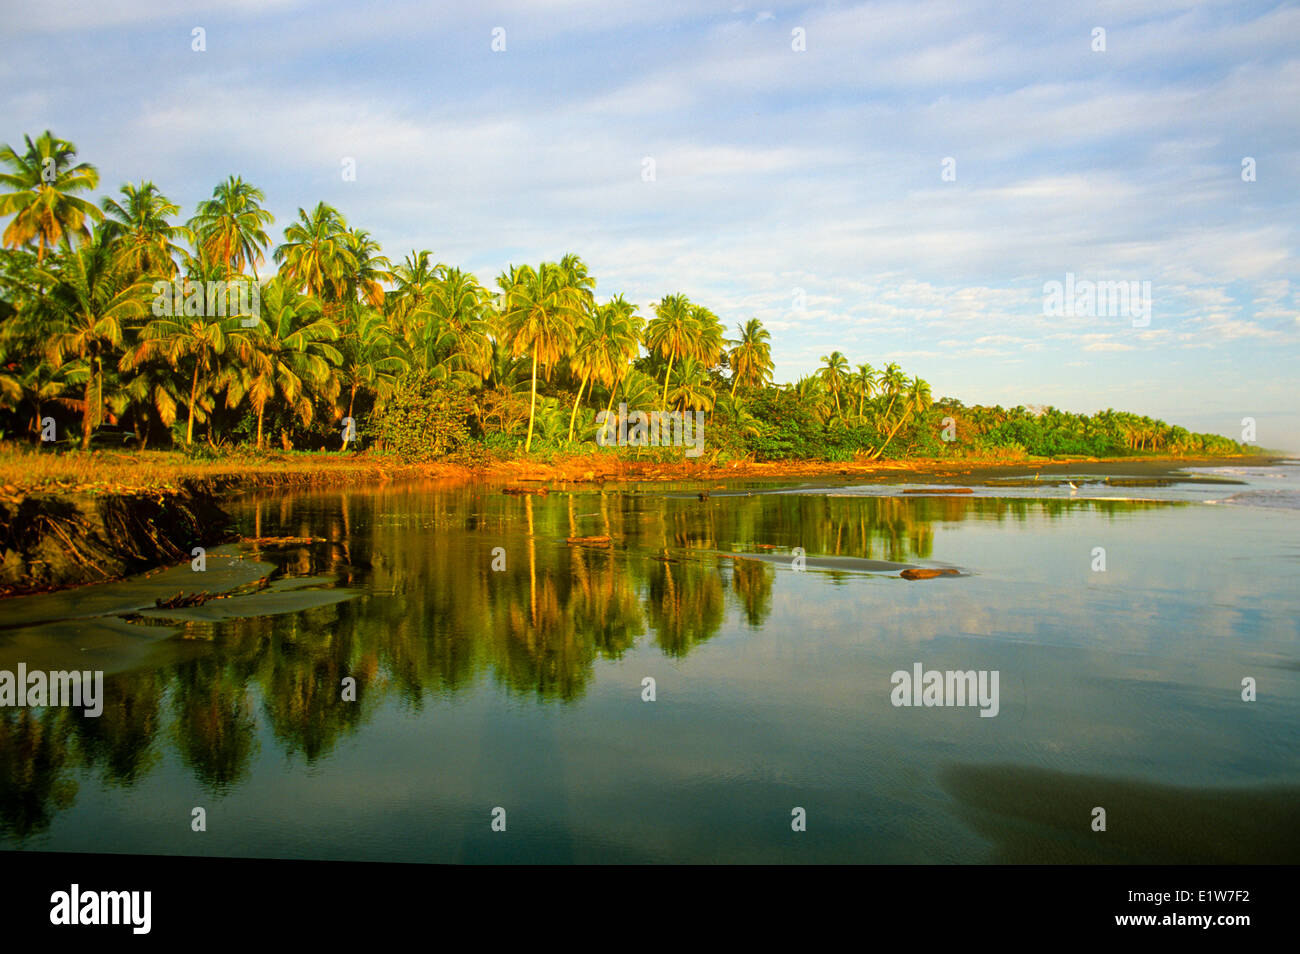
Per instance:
x=119, y=326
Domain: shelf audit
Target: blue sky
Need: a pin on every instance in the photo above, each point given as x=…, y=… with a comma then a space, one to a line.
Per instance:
x=776, y=170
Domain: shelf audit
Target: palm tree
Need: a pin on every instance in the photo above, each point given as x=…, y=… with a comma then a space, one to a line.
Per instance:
x=917, y=400
x=371, y=361
x=43, y=205
x=541, y=309
x=412, y=279
x=316, y=256
x=202, y=338
x=366, y=269
x=710, y=340
x=229, y=228
x=289, y=356
x=606, y=342
x=91, y=298
x=751, y=358
x=691, y=388
x=833, y=375
x=864, y=383
x=140, y=228
x=892, y=381
x=451, y=326
x=672, y=332
x=580, y=280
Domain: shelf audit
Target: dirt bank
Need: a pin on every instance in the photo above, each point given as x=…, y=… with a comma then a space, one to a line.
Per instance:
x=52, y=541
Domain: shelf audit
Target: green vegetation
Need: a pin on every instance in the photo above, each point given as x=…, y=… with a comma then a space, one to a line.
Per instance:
x=124, y=328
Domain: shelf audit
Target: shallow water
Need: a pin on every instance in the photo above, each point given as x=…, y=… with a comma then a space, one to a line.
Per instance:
x=522, y=688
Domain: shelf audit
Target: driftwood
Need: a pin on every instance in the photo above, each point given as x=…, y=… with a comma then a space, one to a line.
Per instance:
x=927, y=574
x=588, y=541
x=180, y=600
x=940, y=490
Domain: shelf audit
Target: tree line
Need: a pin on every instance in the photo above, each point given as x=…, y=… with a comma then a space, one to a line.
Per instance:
x=106, y=330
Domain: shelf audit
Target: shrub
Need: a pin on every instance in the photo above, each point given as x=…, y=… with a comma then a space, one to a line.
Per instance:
x=423, y=419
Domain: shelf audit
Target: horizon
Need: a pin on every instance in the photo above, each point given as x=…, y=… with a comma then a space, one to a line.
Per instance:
x=779, y=174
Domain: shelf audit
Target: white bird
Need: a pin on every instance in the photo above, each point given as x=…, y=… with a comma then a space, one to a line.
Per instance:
x=1073, y=489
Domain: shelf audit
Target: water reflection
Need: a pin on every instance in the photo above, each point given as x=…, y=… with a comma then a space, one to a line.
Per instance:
x=461, y=588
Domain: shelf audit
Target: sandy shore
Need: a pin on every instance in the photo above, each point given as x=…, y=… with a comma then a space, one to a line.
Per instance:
x=104, y=472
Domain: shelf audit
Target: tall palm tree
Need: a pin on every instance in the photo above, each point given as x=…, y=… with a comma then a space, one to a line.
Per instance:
x=371, y=361
x=606, y=343
x=916, y=400
x=290, y=355
x=229, y=228
x=91, y=299
x=833, y=375
x=672, y=332
x=864, y=384
x=541, y=309
x=892, y=382
x=139, y=227
x=367, y=270
x=411, y=280
x=43, y=204
x=200, y=338
x=315, y=256
x=691, y=388
x=451, y=326
x=710, y=340
x=751, y=358
x=580, y=280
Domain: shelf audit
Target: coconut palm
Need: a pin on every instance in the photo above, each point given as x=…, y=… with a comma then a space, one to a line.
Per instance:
x=366, y=269
x=315, y=256
x=892, y=382
x=673, y=333
x=229, y=228
x=139, y=228
x=91, y=298
x=751, y=358
x=371, y=361
x=691, y=390
x=290, y=355
x=44, y=179
x=606, y=342
x=863, y=384
x=451, y=326
x=916, y=400
x=541, y=309
x=200, y=338
x=833, y=375
x=411, y=280
x=710, y=337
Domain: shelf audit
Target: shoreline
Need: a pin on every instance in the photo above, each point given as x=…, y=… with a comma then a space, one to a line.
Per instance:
x=103, y=473
x=102, y=517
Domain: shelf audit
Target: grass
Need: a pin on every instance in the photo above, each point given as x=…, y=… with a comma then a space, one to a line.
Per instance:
x=27, y=470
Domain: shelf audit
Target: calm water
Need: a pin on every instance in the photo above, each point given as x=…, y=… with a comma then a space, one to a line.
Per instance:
x=522, y=688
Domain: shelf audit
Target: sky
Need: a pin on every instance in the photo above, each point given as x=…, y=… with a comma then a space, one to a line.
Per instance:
x=899, y=181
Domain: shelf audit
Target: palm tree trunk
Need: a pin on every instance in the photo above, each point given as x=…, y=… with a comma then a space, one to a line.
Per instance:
x=574, y=416
x=610, y=406
x=901, y=418
x=532, y=407
x=352, y=399
x=668, y=374
x=260, y=409
x=85, y=413
x=194, y=390
x=734, y=379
